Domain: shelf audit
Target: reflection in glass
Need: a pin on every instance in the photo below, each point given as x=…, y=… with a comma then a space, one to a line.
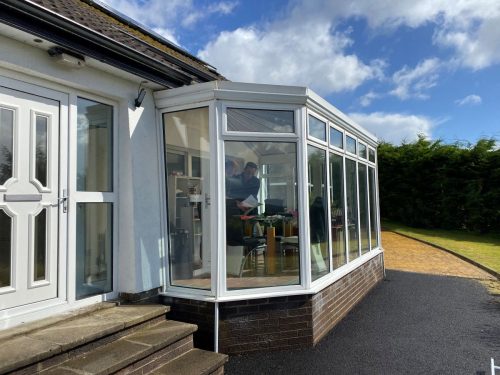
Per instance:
x=94, y=146
x=188, y=145
x=317, y=128
x=320, y=259
x=362, y=151
x=260, y=120
x=350, y=144
x=5, y=248
x=262, y=243
x=363, y=208
x=41, y=124
x=373, y=208
x=94, y=242
x=336, y=138
x=337, y=210
x=352, y=208
x=371, y=155
x=40, y=246
x=6, y=143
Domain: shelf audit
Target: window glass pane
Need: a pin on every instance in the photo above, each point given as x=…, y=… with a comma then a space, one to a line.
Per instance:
x=41, y=149
x=187, y=137
x=352, y=208
x=260, y=120
x=94, y=242
x=371, y=155
x=5, y=248
x=337, y=210
x=6, y=143
x=363, y=208
x=94, y=146
x=336, y=138
x=317, y=128
x=362, y=151
x=320, y=259
x=262, y=243
x=350, y=144
x=40, y=245
x=373, y=208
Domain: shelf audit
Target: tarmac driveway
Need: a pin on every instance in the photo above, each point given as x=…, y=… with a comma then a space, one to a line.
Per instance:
x=411, y=323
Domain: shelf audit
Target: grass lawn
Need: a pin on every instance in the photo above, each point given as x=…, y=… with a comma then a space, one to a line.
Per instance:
x=483, y=249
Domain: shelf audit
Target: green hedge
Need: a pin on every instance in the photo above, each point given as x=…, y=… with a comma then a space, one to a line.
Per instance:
x=429, y=184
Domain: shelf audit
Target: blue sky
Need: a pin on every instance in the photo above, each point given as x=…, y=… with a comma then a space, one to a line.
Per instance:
x=398, y=68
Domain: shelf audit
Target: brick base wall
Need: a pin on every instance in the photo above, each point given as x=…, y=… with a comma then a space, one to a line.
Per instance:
x=277, y=323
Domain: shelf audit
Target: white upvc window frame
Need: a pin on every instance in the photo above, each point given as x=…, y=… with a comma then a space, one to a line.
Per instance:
x=342, y=131
x=75, y=197
x=323, y=119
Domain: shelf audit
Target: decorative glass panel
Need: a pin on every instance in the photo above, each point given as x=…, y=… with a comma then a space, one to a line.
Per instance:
x=188, y=145
x=373, y=208
x=6, y=143
x=320, y=259
x=94, y=243
x=262, y=242
x=371, y=155
x=350, y=144
x=337, y=210
x=5, y=248
x=41, y=149
x=362, y=151
x=363, y=208
x=336, y=138
x=94, y=146
x=352, y=208
x=260, y=120
x=40, y=246
x=317, y=128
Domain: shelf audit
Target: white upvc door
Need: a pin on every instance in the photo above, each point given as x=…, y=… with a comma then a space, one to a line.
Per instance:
x=30, y=200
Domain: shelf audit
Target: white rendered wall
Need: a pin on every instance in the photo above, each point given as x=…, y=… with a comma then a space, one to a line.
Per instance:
x=137, y=248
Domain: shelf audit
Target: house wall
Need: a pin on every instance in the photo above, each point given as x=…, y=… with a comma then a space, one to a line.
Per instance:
x=281, y=323
x=137, y=248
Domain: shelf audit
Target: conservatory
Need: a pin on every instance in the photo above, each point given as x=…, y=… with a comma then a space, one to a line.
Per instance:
x=271, y=212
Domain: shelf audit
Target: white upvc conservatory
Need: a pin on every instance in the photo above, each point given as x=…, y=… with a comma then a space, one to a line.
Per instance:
x=269, y=191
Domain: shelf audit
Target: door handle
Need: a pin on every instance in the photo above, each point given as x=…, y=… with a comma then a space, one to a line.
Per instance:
x=63, y=200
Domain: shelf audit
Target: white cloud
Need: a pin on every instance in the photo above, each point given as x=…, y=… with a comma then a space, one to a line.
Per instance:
x=413, y=83
x=286, y=52
x=469, y=100
x=368, y=98
x=167, y=33
x=395, y=127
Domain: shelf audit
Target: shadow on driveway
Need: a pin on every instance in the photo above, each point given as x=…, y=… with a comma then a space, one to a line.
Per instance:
x=409, y=324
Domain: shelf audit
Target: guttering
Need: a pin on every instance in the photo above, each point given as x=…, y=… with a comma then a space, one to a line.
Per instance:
x=46, y=24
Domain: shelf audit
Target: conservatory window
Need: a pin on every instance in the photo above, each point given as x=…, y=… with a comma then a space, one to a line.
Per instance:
x=350, y=144
x=262, y=232
x=260, y=120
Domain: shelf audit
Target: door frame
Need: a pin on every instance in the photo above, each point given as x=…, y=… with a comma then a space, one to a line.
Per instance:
x=62, y=237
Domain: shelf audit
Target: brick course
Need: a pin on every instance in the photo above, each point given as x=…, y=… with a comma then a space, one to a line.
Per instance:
x=278, y=323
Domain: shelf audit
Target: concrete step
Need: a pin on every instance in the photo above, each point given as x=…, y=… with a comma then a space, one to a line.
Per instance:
x=139, y=352
x=47, y=345
x=195, y=361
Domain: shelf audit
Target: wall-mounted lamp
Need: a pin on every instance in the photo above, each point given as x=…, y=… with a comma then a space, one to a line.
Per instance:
x=141, y=93
x=67, y=58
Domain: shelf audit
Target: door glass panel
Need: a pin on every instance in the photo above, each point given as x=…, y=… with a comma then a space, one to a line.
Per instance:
x=363, y=208
x=260, y=120
x=352, y=208
x=6, y=143
x=94, y=231
x=187, y=137
x=5, y=248
x=337, y=210
x=41, y=149
x=94, y=146
x=320, y=259
x=262, y=242
x=40, y=246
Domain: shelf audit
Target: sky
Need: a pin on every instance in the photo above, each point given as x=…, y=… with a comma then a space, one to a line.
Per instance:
x=398, y=68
